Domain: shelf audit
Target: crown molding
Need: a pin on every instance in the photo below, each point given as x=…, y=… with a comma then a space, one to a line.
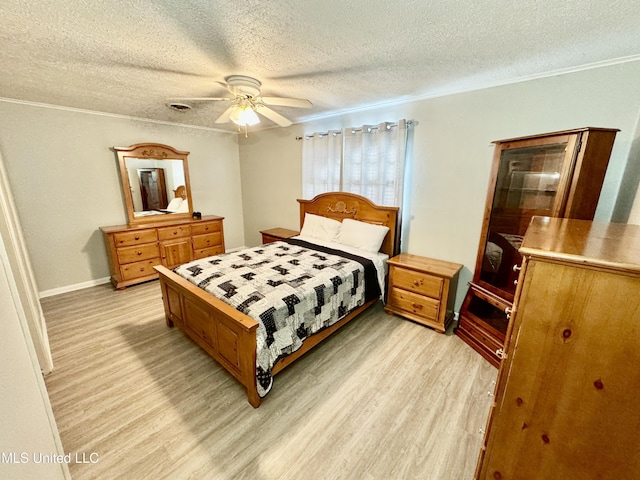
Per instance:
x=481, y=86
x=110, y=115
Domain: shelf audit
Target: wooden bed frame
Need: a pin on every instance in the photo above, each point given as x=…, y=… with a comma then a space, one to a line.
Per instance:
x=228, y=335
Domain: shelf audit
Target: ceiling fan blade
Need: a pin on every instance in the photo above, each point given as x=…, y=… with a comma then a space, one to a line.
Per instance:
x=224, y=118
x=287, y=102
x=200, y=99
x=273, y=116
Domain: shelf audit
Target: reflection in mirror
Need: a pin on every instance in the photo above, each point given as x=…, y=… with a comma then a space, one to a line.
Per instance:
x=155, y=182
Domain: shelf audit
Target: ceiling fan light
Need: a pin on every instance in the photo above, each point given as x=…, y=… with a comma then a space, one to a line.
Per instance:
x=244, y=116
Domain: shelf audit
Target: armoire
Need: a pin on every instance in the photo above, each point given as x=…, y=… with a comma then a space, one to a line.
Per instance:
x=557, y=174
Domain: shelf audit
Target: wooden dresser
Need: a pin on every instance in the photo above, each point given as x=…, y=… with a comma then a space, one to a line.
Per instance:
x=419, y=289
x=566, y=401
x=133, y=251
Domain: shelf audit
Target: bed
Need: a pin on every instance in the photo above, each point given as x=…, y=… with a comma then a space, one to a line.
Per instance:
x=230, y=336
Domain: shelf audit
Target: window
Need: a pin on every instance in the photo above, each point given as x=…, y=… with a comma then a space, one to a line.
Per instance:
x=321, y=163
x=368, y=161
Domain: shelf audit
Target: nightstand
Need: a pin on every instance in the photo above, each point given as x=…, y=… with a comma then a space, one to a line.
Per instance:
x=275, y=234
x=419, y=288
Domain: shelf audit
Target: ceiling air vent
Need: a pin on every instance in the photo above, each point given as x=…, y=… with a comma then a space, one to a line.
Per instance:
x=179, y=107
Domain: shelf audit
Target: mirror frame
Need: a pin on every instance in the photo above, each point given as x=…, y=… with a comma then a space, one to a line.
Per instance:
x=156, y=151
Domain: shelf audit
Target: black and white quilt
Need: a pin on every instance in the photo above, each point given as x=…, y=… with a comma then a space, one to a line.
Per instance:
x=292, y=288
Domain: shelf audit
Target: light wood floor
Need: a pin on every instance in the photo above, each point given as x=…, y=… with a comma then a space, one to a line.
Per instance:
x=383, y=398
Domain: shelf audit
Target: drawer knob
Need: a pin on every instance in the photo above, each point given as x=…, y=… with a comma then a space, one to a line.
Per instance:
x=517, y=268
x=137, y=237
x=139, y=253
x=417, y=283
x=416, y=306
x=500, y=353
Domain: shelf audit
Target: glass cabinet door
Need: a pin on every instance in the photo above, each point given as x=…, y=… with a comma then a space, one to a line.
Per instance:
x=531, y=179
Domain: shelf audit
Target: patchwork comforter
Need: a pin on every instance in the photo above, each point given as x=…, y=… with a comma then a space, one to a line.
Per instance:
x=293, y=288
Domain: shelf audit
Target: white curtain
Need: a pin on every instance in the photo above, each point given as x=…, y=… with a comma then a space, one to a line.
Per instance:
x=374, y=162
x=321, y=163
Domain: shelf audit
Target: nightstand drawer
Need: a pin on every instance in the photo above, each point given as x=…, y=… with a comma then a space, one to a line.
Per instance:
x=418, y=282
x=419, y=305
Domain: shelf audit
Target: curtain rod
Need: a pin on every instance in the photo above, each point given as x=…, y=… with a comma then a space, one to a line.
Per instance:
x=409, y=124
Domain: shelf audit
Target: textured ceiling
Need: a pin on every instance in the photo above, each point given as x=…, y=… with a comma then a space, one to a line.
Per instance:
x=129, y=56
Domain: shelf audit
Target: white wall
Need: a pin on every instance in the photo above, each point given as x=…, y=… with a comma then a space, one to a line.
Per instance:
x=28, y=426
x=66, y=185
x=65, y=180
x=271, y=180
x=453, y=153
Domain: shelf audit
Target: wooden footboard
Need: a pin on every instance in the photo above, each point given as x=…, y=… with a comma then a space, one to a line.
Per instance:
x=226, y=334
x=223, y=332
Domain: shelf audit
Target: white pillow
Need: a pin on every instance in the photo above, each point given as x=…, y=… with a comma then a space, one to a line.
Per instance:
x=322, y=228
x=184, y=206
x=362, y=235
x=174, y=204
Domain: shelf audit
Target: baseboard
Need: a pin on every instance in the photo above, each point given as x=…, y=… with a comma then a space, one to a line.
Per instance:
x=73, y=288
x=91, y=283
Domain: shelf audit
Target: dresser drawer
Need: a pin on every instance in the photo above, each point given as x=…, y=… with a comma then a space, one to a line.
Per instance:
x=410, y=302
x=138, y=253
x=177, y=231
x=207, y=241
x=206, y=227
x=139, y=269
x=208, y=252
x=133, y=251
x=418, y=282
x=125, y=239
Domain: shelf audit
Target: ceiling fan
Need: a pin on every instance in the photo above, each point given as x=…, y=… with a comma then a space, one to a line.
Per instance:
x=247, y=101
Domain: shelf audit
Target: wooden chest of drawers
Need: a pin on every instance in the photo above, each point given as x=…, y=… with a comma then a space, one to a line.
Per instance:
x=134, y=251
x=566, y=402
x=419, y=289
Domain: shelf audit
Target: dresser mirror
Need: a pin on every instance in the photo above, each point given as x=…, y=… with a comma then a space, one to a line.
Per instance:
x=155, y=183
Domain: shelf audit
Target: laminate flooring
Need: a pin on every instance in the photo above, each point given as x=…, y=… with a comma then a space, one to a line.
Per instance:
x=383, y=398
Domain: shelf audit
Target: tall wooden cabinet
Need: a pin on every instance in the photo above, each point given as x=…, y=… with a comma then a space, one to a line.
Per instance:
x=133, y=251
x=566, y=402
x=557, y=174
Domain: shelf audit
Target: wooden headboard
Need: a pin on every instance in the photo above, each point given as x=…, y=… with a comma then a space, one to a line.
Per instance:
x=181, y=192
x=341, y=205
